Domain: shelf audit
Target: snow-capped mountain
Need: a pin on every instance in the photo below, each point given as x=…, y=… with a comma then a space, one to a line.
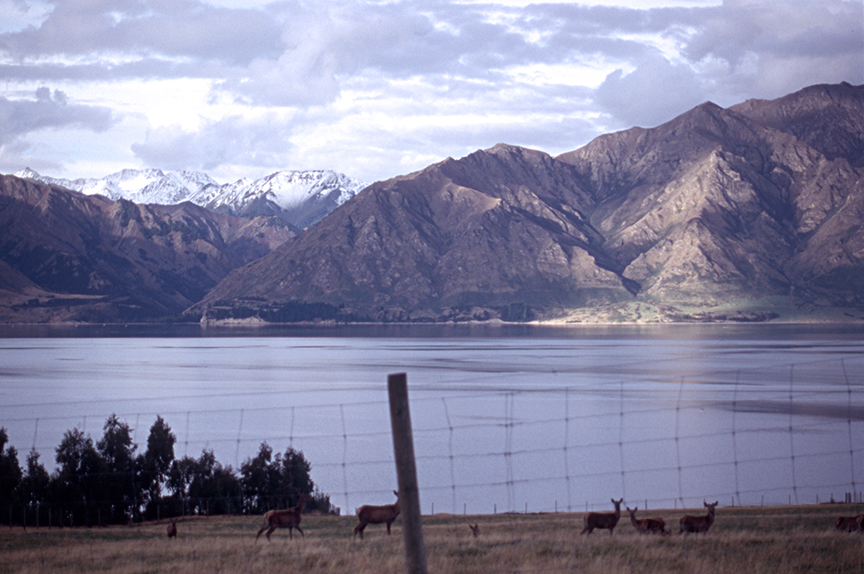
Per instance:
x=300, y=197
x=137, y=185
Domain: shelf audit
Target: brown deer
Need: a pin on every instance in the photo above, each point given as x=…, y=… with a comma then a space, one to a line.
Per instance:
x=475, y=529
x=172, y=529
x=369, y=514
x=850, y=523
x=602, y=520
x=647, y=525
x=289, y=518
x=689, y=523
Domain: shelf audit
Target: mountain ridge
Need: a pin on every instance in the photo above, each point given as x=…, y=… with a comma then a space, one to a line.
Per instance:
x=68, y=256
x=700, y=217
x=746, y=213
x=301, y=198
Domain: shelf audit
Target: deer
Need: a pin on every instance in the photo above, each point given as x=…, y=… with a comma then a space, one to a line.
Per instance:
x=172, y=529
x=647, y=525
x=369, y=514
x=689, y=523
x=475, y=529
x=850, y=523
x=289, y=518
x=602, y=520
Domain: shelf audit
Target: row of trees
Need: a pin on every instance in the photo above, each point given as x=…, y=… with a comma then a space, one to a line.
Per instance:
x=107, y=483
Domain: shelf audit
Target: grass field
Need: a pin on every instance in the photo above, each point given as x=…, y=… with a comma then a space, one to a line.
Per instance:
x=750, y=540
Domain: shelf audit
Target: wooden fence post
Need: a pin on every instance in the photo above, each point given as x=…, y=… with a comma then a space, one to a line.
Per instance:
x=406, y=470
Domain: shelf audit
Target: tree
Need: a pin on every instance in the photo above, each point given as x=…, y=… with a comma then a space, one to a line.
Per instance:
x=204, y=486
x=275, y=482
x=321, y=503
x=179, y=480
x=295, y=474
x=160, y=448
x=154, y=466
x=77, y=484
x=120, y=495
x=213, y=486
x=260, y=480
x=116, y=445
x=10, y=471
x=33, y=489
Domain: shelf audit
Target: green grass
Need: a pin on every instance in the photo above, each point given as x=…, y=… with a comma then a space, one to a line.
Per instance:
x=747, y=540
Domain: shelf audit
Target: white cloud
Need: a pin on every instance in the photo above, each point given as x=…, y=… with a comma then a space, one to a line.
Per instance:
x=43, y=111
x=259, y=141
x=379, y=88
x=17, y=15
x=772, y=48
x=655, y=92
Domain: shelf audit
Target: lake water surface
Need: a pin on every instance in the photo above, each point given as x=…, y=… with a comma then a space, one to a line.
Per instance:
x=508, y=418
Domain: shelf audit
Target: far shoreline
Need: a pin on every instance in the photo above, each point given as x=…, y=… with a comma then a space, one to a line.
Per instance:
x=460, y=329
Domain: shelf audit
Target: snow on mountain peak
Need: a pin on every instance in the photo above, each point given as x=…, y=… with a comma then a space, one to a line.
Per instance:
x=282, y=191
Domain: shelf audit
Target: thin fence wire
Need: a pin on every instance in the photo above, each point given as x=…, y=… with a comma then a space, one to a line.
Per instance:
x=484, y=448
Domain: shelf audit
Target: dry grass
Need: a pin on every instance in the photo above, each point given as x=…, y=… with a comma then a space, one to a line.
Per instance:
x=743, y=540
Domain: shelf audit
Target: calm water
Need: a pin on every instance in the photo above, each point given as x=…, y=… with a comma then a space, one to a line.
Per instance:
x=505, y=419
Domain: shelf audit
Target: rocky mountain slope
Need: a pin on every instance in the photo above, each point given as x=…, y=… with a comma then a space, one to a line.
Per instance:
x=301, y=198
x=718, y=214
x=67, y=256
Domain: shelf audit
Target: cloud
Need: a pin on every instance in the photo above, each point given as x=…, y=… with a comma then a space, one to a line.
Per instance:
x=326, y=43
x=45, y=110
x=260, y=142
x=380, y=86
x=48, y=110
x=655, y=92
x=793, y=28
x=764, y=48
x=729, y=53
x=104, y=30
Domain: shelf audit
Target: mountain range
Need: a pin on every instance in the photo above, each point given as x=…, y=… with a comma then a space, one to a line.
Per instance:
x=67, y=256
x=301, y=198
x=747, y=213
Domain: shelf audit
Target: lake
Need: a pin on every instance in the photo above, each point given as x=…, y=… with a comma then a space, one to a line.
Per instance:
x=506, y=418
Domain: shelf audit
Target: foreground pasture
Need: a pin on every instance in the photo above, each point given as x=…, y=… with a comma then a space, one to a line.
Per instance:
x=742, y=540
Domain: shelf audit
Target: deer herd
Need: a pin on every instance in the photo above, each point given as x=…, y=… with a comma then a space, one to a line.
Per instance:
x=386, y=514
x=608, y=521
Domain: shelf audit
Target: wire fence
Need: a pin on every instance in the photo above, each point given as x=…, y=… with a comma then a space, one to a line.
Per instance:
x=742, y=436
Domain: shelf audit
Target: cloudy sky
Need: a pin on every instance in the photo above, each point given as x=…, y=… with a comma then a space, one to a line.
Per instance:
x=380, y=88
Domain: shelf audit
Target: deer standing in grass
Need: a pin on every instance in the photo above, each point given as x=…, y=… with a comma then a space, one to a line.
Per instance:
x=850, y=523
x=172, y=529
x=289, y=518
x=475, y=529
x=369, y=514
x=689, y=523
x=647, y=525
x=602, y=520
